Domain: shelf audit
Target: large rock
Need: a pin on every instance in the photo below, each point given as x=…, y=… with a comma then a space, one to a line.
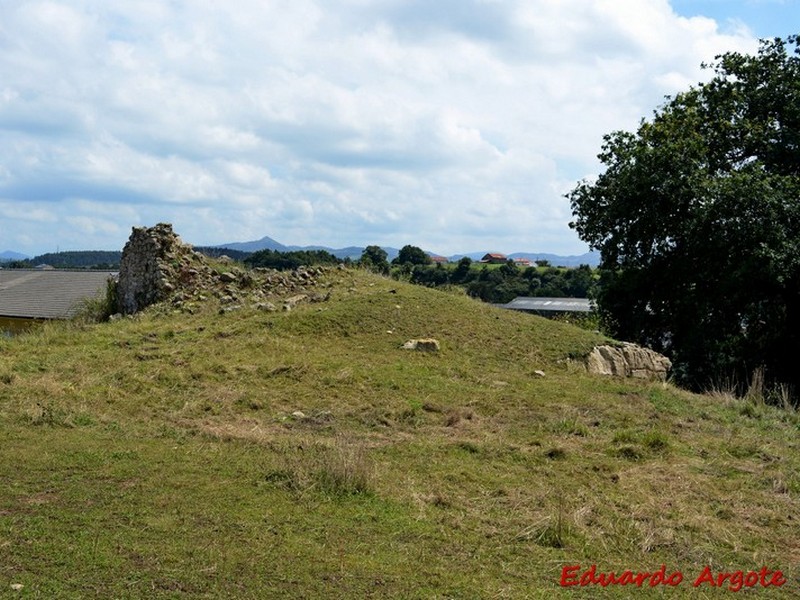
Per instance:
x=628, y=360
x=423, y=345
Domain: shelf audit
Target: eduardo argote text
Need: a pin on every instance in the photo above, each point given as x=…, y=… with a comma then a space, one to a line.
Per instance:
x=571, y=575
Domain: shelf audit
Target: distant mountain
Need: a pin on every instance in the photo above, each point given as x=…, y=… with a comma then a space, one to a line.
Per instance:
x=11, y=255
x=265, y=243
x=354, y=253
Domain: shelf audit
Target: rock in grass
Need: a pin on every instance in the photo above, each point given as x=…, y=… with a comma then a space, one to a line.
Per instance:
x=628, y=360
x=423, y=345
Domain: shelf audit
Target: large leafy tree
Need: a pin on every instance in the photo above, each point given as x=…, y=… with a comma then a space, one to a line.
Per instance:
x=375, y=258
x=697, y=217
x=412, y=255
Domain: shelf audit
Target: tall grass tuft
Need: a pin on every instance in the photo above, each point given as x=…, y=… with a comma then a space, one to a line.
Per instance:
x=724, y=389
x=345, y=469
x=755, y=387
x=341, y=469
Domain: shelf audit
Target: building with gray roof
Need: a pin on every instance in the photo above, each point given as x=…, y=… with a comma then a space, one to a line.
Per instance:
x=549, y=305
x=29, y=295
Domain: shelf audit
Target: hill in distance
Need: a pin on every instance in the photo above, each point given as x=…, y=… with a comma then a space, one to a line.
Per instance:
x=354, y=252
x=81, y=259
x=267, y=243
x=8, y=255
x=76, y=259
x=222, y=452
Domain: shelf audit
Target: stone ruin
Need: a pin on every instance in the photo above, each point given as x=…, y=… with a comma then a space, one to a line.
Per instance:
x=157, y=267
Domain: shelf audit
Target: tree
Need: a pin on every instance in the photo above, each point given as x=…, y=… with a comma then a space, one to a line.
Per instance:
x=509, y=269
x=430, y=275
x=375, y=258
x=412, y=255
x=461, y=272
x=697, y=218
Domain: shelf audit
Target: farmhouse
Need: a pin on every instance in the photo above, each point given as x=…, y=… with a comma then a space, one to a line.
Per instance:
x=494, y=258
x=27, y=296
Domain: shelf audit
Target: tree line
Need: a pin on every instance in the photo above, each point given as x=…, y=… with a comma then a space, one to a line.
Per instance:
x=490, y=283
x=77, y=259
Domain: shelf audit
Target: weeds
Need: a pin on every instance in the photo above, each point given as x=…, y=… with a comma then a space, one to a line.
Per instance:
x=342, y=469
x=724, y=389
x=755, y=387
x=345, y=469
x=550, y=532
x=48, y=415
x=99, y=308
x=757, y=394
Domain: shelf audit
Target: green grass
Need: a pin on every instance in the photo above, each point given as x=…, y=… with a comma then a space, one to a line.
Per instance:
x=305, y=454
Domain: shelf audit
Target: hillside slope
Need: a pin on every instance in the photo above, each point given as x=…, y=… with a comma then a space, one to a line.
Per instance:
x=255, y=454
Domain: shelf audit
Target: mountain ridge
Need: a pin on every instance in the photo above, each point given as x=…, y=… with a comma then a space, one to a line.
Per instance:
x=354, y=252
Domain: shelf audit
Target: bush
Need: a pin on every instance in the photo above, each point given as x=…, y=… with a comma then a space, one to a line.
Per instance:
x=101, y=307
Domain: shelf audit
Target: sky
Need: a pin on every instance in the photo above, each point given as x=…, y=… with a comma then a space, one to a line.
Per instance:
x=454, y=125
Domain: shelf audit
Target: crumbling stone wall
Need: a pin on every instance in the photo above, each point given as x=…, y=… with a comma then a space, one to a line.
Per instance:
x=156, y=266
x=152, y=261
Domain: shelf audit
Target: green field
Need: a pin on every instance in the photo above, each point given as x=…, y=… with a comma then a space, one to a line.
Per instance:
x=303, y=454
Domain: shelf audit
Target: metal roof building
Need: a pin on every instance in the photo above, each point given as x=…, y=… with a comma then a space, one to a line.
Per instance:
x=549, y=305
x=44, y=294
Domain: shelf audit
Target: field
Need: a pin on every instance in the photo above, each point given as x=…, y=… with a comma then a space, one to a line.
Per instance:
x=304, y=454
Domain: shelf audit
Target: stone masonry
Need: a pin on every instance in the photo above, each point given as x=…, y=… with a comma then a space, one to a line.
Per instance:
x=148, y=265
x=157, y=267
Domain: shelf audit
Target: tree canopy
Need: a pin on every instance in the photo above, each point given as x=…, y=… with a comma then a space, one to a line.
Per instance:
x=412, y=255
x=697, y=217
x=375, y=258
x=285, y=261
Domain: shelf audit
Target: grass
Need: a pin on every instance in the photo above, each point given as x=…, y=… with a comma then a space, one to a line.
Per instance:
x=304, y=454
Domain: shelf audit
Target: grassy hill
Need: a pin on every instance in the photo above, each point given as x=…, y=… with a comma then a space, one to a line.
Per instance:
x=303, y=454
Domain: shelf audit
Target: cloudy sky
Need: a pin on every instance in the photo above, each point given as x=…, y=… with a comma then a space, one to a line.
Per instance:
x=455, y=125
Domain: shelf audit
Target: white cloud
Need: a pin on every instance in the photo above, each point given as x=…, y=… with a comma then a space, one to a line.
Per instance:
x=455, y=125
